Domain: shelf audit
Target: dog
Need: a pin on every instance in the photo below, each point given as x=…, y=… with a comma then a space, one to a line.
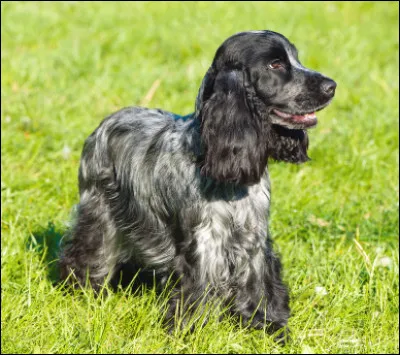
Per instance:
x=189, y=196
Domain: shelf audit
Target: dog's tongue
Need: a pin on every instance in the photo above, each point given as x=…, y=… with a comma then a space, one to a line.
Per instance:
x=297, y=118
x=306, y=117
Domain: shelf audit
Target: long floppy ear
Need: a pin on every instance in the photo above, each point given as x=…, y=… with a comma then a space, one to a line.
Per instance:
x=234, y=146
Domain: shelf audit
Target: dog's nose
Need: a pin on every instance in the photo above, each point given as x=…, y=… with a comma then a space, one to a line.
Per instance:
x=328, y=87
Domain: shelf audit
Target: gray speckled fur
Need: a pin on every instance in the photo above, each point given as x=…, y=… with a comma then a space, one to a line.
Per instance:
x=190, y=195
x=149, y=156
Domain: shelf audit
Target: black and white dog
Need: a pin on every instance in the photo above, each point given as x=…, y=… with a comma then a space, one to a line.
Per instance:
x=190, y=196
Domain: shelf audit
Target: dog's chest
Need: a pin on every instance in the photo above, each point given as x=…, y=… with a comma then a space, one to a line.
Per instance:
x=246, y=210
x=251, y=210
x=231, y=232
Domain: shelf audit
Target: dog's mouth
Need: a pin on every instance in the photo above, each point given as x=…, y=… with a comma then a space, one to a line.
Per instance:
x=297, y=120
x=305, y=120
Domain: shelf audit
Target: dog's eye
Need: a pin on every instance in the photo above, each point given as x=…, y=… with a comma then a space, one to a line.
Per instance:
x=275, y=64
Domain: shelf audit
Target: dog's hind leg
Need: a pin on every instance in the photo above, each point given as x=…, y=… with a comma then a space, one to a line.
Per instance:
x=90, y=252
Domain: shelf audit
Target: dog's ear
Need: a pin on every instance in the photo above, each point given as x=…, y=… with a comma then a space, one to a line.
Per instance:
x=234, y=147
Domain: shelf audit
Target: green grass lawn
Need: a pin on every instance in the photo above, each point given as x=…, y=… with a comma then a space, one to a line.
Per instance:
x=65, y=66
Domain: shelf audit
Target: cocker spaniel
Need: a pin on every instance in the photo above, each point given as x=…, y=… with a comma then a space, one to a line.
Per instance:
x=189, y=196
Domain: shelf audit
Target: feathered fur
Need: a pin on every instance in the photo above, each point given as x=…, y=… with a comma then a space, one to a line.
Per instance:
x=191, y=197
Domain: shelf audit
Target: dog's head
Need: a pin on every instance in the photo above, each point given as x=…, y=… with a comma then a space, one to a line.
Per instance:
x=256, y=101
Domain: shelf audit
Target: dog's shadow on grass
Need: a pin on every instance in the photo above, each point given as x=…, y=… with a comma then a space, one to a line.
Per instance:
x=46, y=241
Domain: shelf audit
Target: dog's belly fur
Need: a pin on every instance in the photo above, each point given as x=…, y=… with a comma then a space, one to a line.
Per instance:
x=158, y=223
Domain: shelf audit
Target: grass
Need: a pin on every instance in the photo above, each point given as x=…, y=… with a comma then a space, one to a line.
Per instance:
x=65, y=66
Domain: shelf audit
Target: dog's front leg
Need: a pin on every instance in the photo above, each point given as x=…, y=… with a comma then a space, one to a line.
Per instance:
x=202, y=264
x=188, y=297
x=262, y=299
